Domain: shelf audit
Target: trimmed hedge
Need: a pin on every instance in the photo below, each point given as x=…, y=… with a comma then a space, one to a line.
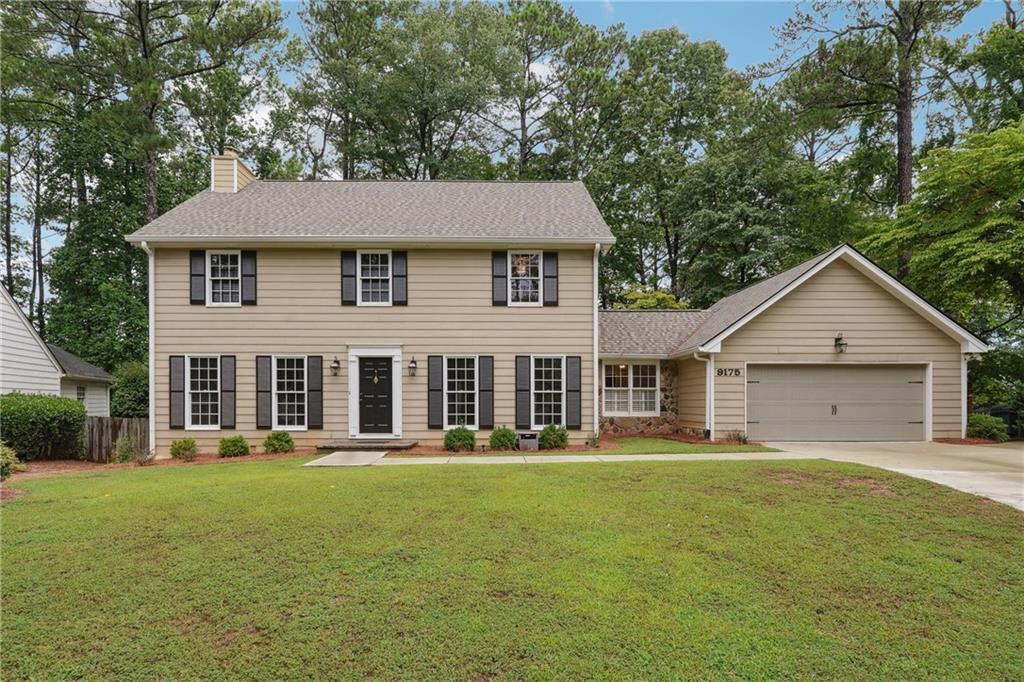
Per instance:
x=233, y=446
x=184, y=449
x=553, y=437
x=278, y=441
x=987, y=426
x=460, y=439
x=129, y=394
x=503, y=438
x=39, y=426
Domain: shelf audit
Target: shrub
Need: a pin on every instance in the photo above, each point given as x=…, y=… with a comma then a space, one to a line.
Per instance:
x=184, y=448
x=233, y=446
x=129, y=393
x=8, y=461
x=736, y=437
x=460, y=439
x=42, y=425
x=553, y=437
x=503, y=438
x=126, y=450
x=987, y=426
x=278, y=441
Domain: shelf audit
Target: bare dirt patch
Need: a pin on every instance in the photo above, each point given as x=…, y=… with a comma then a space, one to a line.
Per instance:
x=9, y=493
x=871, y=485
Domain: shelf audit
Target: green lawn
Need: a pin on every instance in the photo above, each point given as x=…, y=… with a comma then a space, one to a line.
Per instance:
x=650, y=570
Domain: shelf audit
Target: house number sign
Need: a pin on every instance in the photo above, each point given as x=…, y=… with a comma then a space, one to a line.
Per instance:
x=729, y=372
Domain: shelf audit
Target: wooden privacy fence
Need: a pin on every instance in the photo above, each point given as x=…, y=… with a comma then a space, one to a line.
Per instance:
x=101, y=434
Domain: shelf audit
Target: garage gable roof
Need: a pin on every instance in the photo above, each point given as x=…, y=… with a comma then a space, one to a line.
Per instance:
x=733, y=312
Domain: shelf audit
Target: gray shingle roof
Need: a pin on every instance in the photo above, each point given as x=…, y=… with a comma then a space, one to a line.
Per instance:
x=386, y=210
x=75, y=366
x=646, y=332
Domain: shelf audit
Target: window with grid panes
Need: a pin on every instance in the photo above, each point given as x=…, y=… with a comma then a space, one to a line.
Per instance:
x=548, y=391
x=204, y=392
x=616, y=388
x=290, y=392
x=631, y=389
x=375, y=278
x=524, y=278
x=225, y=278
x=460, y=391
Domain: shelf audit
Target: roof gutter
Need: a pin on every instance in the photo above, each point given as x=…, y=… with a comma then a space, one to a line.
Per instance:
x=362, y=239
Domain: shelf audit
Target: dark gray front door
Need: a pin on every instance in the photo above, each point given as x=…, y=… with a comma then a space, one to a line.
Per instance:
x=375, y=395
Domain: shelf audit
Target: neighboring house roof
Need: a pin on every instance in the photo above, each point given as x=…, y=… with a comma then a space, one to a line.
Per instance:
x=385, y=211
x=704, y=331
x=77, y=368
x=635, y=333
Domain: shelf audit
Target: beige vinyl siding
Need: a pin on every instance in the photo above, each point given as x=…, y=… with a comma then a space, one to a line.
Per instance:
x=879, y=328
x=24, y=364
x=97, y=395
x=691, y=391
x=299, y=312
x=245, y=176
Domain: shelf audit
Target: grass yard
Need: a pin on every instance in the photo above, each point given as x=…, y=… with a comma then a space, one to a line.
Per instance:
x=650, y=570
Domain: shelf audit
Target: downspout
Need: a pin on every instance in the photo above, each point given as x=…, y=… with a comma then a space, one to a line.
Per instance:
x=709, y=394
x=151, y=275
x=595, y=373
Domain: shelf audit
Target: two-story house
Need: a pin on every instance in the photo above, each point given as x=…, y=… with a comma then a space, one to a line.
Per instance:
x=353, y=311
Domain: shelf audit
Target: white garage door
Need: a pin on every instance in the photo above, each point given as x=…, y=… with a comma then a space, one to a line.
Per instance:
x=828, y=402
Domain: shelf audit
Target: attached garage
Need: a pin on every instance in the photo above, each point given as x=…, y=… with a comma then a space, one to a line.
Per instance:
x=836, y=403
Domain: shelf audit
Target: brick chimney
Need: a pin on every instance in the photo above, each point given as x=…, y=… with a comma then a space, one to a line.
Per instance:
x=228, y=173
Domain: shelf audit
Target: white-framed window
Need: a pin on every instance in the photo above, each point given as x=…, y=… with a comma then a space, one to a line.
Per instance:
x=374, y=285
x=80, y=393
x=525, y=277
x=461, y=391
x=547, y=394
x=202, y=395
x=290, y=392
x=223, y=278
x=631, y=389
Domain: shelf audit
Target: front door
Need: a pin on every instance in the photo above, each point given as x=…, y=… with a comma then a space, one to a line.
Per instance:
x=375, y=395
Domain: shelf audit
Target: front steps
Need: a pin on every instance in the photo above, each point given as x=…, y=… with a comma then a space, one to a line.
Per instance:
x=365, y=444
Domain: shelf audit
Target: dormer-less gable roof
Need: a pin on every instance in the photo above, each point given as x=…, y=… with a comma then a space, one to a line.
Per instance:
x=76, y=368
x=383, y=211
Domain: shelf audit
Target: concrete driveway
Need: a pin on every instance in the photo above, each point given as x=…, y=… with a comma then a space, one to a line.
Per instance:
x=996, y=472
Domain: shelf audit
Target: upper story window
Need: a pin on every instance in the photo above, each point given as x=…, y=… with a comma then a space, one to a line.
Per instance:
x=374, y=278
x=290, y=393
x=548, y=394
x=224, y=278
x=525, y=275
x=631, y=389
x=460, y=394
x=202, y=396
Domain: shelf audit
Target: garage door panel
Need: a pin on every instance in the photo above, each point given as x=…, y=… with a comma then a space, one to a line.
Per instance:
x=829, y=402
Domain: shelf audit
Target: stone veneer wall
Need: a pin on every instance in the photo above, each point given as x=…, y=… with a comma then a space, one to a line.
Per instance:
x=667, y=423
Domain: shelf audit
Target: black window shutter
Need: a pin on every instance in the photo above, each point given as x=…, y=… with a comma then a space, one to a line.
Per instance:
x=499, y=278
x=227, y=391
x=264, y=392
x=435, y=392
x=550, y=278
x=399, y=278
x=486, y=397
x=348, y=277
x=177, y=382
x=248, y=278
x=523, y=381
x=573, y=394
x=197, y=277
x=315, y=391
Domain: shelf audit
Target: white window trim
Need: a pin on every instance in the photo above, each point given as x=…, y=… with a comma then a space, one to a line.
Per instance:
x=209, y=279
x=533, y=383
x=476, y=391
x=359, y=278
x=189, y=426
x=540, y=279
x=630, y=412
x=273, y=392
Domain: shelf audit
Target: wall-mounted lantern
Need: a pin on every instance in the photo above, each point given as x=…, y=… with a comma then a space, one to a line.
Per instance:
x=412, y=366
x=335, y=366
x=840, y=343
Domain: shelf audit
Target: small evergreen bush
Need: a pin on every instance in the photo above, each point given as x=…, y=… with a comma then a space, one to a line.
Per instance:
x=8, y=461
x=987, y=426
x=184, y=449
x=129, y=393
x=278, y=441
x=460, y=439
x=553, y=437
x=38, y=426
x=233, y=446
x=503, y=438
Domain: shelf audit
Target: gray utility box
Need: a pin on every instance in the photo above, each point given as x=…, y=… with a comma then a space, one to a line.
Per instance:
x=528, y=441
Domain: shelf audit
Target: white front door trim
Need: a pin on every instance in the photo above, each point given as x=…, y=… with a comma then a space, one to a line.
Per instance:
x=395, y=353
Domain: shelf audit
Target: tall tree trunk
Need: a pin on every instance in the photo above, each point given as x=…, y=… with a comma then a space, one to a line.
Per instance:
x=152, y=206
x=38, y=287
x=905, y=119
x=8, y=242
